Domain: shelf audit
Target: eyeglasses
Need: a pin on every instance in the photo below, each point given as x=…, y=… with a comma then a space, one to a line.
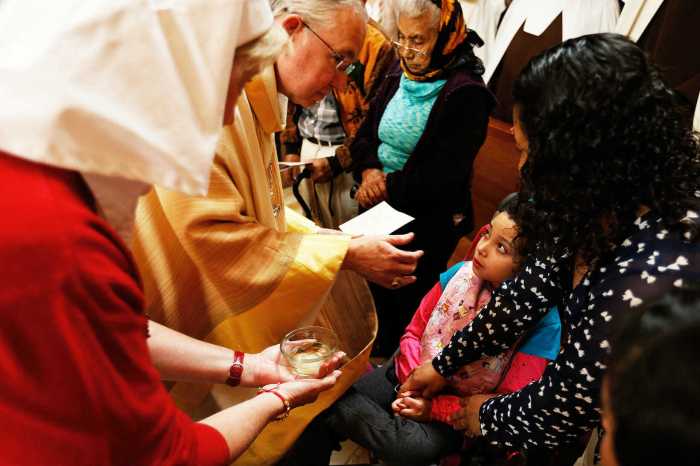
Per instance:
x=342, y=63
x=406, y=49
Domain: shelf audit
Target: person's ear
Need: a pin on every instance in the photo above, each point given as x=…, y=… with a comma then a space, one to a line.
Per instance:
x=292, y=24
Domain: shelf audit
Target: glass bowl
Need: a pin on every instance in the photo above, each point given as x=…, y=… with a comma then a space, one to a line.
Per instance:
x=307, y=348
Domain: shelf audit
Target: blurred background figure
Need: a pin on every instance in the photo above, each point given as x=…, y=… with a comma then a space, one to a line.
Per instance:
x=651, y=392
x=382, y=11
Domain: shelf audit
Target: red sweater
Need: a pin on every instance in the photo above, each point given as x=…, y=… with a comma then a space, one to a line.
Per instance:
x=78, y=386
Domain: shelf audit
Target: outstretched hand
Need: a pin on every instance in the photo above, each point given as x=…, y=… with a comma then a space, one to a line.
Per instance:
x=270, y=366
x=303, y=391
x=424, y=380
x=379, y=260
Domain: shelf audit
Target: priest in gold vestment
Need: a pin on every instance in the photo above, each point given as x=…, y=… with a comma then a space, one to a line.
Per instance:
x=238, y=269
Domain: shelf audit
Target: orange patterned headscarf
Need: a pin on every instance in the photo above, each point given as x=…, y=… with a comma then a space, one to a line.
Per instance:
x=454, y=46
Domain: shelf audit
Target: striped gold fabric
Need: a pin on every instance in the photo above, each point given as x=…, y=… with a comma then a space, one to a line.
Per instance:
x=234, y=268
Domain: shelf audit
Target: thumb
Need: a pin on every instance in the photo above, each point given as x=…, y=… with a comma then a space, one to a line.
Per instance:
x=400, y=240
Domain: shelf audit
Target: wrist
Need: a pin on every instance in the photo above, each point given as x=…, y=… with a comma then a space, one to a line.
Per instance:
x=350, y=256
x=366, y=173
x=275, y=398
x=236, y=369
x=273, y=406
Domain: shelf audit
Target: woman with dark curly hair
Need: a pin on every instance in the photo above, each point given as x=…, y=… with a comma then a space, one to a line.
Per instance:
x=609, y=203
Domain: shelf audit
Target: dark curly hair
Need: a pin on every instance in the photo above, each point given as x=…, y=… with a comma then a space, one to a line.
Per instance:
x=606, y=136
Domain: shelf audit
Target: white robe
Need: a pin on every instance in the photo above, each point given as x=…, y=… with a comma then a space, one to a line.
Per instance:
x=579, y=17
x=634, y=20
x=636, y=16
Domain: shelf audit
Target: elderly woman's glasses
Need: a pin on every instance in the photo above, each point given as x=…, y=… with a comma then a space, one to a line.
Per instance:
x=342, y=63
x=401, y=48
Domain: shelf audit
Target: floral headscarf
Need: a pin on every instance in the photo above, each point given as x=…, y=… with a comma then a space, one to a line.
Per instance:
x=454, y=46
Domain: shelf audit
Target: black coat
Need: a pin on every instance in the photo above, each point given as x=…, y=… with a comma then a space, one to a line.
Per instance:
x=434, y=184
x=436, y=178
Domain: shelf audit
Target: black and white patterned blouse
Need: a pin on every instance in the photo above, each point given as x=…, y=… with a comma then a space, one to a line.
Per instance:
x=564, y=403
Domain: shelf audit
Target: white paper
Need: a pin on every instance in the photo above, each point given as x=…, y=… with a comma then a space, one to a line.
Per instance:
x=381, y=219
x=291, y=164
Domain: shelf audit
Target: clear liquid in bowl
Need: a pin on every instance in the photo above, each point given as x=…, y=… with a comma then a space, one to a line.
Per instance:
x=307, y=357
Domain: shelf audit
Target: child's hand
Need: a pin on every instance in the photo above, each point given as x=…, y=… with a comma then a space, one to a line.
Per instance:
x=415, y=408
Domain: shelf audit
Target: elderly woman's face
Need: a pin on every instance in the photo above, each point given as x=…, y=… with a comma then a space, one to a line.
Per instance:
x=417, y=39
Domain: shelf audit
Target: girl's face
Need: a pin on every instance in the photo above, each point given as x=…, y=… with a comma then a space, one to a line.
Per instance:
x=494, y=257
x=607, y=448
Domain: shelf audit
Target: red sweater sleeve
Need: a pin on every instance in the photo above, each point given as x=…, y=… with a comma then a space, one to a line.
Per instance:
x=443, y=406
x=78, y=384
x=409, y=354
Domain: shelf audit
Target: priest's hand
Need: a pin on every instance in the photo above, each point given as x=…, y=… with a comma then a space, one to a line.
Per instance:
x=424, y=380
x=379, y=260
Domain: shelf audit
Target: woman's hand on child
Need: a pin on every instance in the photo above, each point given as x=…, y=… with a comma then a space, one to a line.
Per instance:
x=424, y=380
x=412, y=407
x=467, y=418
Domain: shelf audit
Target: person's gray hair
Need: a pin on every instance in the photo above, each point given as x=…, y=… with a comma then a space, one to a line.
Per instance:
x=319, y=13
x=255, y=55
x=416, y=8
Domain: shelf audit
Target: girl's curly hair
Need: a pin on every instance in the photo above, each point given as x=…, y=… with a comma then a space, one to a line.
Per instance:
x=606, y=136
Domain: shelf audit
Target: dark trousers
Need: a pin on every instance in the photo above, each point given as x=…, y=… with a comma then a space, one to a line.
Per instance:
x=364, y=416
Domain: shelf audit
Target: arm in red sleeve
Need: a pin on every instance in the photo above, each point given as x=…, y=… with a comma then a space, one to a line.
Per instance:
x=79, y=386
x=444, y=406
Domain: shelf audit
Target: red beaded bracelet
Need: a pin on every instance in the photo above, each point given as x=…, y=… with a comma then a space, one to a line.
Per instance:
x=285, y=401
x=236, y=369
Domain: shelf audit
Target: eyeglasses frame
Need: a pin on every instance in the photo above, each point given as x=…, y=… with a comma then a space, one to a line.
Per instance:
x=342, y=63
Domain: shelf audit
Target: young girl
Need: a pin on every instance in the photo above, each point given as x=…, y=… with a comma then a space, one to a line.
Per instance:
x=410, y=430
x=451, y=305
